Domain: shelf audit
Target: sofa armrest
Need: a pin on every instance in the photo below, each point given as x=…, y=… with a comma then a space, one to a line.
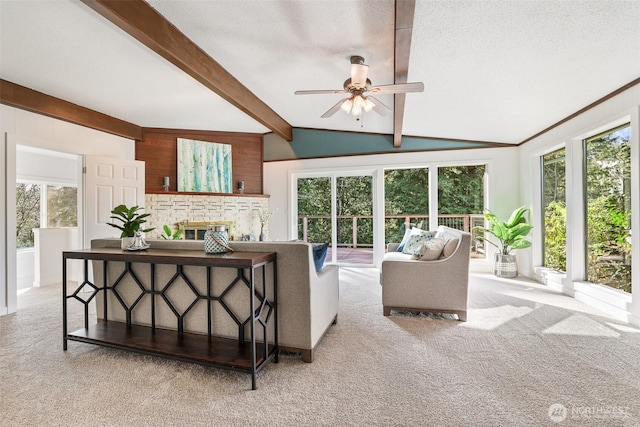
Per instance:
x=392, y=247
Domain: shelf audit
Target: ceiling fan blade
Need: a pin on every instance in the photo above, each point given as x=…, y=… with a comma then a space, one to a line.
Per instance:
x=398, y=88
x=378, y=106
x=318, y=92
x=333, y=109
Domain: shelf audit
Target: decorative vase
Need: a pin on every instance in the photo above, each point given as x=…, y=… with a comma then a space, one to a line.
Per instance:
x=505, y=265
x=216, y=239
x=125, y=242
x=262, y=237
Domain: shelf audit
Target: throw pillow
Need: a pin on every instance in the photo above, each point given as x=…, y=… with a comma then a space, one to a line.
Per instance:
x=416, y=239
x=431, y=250
x=405, y=239
x=319, y=254
x=449, y=248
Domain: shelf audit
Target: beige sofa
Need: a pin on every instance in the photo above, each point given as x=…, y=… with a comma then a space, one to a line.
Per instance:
x=307, y=300
x=439, y=286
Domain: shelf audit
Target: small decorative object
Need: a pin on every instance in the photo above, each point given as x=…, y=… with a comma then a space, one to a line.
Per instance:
x=241, y=187
x=248, y=238
x=139, y=243
x=130, y=222
x=216, y=240
x=264, y=216
x=166, y=183
x=511, y=234
x=168, y=234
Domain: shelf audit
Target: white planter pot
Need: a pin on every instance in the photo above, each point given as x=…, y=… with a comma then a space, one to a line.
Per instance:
x=125, y=242
x=505, y=266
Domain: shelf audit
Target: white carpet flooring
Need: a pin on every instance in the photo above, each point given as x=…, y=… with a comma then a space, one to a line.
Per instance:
x=528, y=356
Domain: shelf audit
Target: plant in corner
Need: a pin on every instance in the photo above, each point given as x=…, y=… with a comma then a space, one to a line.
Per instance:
x=511, y=235
x=130, y=220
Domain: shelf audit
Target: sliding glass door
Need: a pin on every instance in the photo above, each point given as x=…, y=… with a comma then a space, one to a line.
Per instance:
x=337, y=210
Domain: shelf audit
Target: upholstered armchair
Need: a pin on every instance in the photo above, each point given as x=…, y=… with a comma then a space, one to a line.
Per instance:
x=438, y=286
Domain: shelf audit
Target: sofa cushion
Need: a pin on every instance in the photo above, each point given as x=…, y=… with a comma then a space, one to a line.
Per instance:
x=449, y=248
x=319, y=254
x=416, y=239
x=431, y=250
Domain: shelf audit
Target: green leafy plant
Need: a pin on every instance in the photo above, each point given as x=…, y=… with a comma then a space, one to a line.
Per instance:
x=511, y=234
x=129, y=219
x=169, y=235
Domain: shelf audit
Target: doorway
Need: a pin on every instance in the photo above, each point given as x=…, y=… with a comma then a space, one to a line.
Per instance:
x=337, y=209
x=48, y=213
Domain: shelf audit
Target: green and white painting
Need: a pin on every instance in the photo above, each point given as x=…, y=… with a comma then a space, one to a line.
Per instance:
x=204, y=166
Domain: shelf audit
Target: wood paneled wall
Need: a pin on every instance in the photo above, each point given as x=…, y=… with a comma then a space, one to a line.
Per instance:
x=158, y=149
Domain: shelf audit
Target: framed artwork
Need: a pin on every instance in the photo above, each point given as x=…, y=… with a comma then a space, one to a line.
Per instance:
x=204, y=166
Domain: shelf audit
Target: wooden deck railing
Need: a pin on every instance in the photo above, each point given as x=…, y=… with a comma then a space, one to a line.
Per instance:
x=466, y=222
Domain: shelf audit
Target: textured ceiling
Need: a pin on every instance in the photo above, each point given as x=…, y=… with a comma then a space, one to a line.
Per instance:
x=496, y=71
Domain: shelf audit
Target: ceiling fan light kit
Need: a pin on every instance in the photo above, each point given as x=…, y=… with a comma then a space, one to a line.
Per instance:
x=356, y=86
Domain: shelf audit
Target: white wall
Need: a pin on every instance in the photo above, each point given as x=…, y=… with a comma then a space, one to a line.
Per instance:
x=49, y=245
x=25, y=268
x=617, y=110
x=19, y=127
x=502, y=167
x=36, y=164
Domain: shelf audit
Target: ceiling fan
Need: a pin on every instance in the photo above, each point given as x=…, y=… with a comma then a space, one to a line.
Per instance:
x=359, y=87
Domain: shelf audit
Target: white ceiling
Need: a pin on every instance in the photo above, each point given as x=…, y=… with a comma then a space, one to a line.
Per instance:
x=496, y=71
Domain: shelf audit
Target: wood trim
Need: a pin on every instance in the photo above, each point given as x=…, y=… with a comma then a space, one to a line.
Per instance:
x=209, y=133
x=145, y=24
x=404, y=13
x=28, y=99
x=585, y=109
x=193, y=193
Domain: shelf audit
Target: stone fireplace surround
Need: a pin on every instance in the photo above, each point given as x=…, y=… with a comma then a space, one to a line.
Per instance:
x=172, y=209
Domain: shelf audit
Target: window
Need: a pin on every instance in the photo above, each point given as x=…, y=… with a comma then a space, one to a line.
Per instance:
x=406, y=193
x=60, y=209
x=554, y=204
x=461, y=201
x=314, y=209
x=62, y=206
x=27, y=213
x=608, y=205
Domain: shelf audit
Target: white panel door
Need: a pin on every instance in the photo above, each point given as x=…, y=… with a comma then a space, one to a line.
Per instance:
x=109, y=182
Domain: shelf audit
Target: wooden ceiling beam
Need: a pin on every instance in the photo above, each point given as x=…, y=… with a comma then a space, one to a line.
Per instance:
x=28, y=99
x=404, y=13
x=145, y=24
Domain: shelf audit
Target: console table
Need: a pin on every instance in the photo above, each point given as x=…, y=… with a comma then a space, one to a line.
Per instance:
x=241, y=354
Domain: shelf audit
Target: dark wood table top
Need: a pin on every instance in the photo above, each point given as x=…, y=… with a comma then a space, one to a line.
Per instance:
x=174, y=256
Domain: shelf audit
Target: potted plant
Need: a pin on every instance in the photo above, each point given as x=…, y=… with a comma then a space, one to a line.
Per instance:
x=512, y=235
x=168, y=234
x=130, y=221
